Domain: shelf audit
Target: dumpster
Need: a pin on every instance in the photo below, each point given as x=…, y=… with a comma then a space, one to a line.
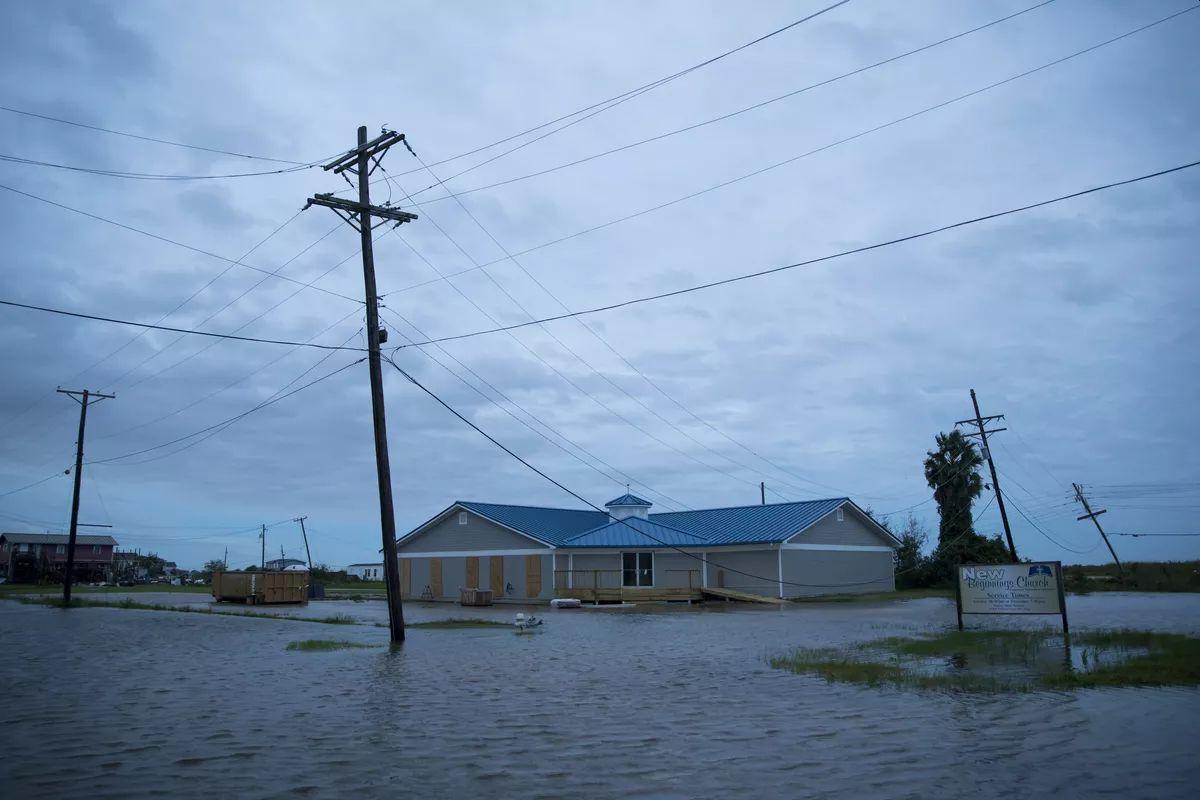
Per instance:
x=253, y=588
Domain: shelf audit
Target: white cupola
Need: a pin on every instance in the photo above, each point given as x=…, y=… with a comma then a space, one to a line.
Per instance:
x=628, y=505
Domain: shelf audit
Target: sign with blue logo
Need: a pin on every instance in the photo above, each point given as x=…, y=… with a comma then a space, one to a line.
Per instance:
x=1011, y=589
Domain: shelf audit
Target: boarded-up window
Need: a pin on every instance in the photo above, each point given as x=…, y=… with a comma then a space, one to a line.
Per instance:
x=405, y=576
x=435, y=576
x=496, y=567
x=533, y=576
x=472, y=572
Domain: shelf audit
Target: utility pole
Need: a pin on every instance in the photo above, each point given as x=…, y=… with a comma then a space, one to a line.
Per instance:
x=362, y=161
x=981, y=422
x=762, y=492
x=263, y=535
x=304, y=533
x=84, y=398
x=225, y=560
x=1081, y=498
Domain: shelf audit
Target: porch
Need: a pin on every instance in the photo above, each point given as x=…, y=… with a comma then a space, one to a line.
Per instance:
x=617, y=586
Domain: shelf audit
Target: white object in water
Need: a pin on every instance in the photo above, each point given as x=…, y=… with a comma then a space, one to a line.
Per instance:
x=565, y=602
x=524, y=624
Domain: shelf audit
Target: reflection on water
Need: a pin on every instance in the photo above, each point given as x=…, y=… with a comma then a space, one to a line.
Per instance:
x=643, y=702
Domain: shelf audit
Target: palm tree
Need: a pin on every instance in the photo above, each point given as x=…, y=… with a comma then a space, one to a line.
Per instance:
x=952, y=471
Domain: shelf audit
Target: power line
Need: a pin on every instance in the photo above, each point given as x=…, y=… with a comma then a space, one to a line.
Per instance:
x=1138, y=535
x=218, y=151
x=732, y=114
x=145, y=176
x=37, y=482
x=175, y=242
x=723, y=184
x=227, y=422
x=616, y=100
x=811, y=261
x=586, y=502
x=80, y=315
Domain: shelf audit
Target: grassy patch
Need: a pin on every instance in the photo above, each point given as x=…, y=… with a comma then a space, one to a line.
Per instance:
x=1138, y=576
x=130, y=603
x=460, y=623
x=56, y=588
x=875, y=597
x=993, y=661
x=326, y=645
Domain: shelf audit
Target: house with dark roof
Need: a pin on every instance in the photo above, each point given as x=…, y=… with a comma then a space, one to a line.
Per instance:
x=29, y=557
x=534, y=554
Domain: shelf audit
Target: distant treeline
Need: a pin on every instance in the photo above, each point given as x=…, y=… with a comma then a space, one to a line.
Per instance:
x=1139, y=576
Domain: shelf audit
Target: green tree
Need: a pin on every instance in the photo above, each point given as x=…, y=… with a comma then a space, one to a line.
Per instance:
x=216, y=565
x=952, y=471
x=912, y=565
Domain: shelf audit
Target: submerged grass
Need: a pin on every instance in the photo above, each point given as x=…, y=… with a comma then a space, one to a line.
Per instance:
x=994, y=661
x=876, y=597
x=459, y=622
x=327, y=645
x=130, y=603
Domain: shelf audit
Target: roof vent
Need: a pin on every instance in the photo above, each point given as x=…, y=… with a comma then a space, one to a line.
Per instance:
x=628, y=505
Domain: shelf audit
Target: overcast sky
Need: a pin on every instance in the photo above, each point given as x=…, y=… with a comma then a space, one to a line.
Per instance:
x=1077, y=321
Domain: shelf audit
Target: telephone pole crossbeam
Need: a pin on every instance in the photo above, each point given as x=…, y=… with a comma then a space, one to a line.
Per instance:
x=85, y=398
x=359, y=162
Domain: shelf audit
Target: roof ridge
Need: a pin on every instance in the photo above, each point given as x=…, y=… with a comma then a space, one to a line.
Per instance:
x=626, y=520
x=753, y=505
x=518, y=505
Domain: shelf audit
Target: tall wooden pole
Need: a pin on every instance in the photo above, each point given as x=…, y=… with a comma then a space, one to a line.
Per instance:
x=304, y=533
x=1012, y=548
x=1092, y=515
x=263, y=535
x=360, y=215
x=383, y=468
x=84, y=398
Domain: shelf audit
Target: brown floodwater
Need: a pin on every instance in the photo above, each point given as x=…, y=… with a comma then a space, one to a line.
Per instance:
x=647, y=702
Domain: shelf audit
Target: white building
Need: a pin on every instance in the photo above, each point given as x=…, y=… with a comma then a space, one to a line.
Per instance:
x=366, y=572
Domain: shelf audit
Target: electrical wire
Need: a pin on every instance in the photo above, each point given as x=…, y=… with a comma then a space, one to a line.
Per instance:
x=26, y=113
x=80, y=315
x=227, y=422
x=145, y=176
x=841, y=254
x=732, y=114
x=177, y=243
x=616, y=100
x=723, y=184
x=702, y=558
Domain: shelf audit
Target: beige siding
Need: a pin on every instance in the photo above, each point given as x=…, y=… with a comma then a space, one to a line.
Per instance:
x=836, y=572
x=478, y=534
x=854, y=529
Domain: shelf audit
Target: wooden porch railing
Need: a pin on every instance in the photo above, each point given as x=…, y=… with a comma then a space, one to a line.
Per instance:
x=615, y=579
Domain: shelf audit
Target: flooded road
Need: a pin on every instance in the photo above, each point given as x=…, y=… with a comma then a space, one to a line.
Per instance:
x=649, y=702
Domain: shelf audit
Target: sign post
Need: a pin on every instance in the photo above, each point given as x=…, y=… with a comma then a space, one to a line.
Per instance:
x=1030, y=588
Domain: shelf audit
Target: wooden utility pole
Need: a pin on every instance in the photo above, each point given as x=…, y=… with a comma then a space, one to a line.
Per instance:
x=362, y=161
x=981, y=422
x=304, y=533
x=762, y=492
x=263, y=535
x=84, y=398
x=1082, y=498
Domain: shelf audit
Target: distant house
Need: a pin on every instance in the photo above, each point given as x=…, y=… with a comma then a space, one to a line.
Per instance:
x=31, y=557
x=525, y=553
x=366, y=572
x=280, y=564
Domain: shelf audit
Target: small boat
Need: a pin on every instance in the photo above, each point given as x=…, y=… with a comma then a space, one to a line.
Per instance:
x=524, y=624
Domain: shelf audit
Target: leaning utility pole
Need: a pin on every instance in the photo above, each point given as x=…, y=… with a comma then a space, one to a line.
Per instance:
x=304, y=533
x=1081, y=498
x=980, y=423
x=84, y=398
x=362, y=161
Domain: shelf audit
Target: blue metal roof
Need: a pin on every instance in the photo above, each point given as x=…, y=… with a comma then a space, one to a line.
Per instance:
x=561, y=527
x=551, y=525
x=628, y=499
x=635, y=532
x=750, y=524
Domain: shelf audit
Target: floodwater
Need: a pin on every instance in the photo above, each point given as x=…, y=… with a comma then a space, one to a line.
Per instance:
x=648, y=702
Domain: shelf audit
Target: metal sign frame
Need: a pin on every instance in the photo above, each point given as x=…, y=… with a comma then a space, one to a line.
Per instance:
x=1062, y=599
